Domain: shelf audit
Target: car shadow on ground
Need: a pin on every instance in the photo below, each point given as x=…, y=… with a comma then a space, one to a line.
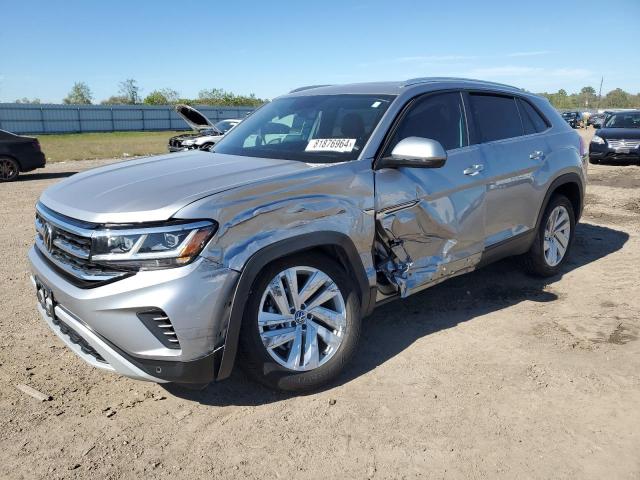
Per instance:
x=44, y=176
x=395, y=326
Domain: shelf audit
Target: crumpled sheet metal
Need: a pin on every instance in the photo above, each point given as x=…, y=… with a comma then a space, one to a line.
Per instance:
x=317, y=200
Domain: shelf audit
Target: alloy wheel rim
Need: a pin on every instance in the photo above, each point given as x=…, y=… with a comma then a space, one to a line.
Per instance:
x=302, y=318
x=557, y=233
x=7, y=169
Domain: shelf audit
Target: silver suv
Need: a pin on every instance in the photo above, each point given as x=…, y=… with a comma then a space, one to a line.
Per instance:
x=321, y=205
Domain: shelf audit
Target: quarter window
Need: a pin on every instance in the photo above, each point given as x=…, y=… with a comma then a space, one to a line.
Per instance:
x=496, y=117
x=531, y=119
x=438, y=117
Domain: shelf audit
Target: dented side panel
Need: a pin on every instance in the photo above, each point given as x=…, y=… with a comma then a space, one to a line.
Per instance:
x=432, y=220
x=325, y=198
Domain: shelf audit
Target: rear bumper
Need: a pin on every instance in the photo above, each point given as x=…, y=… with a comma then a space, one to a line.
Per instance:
x=31, y=161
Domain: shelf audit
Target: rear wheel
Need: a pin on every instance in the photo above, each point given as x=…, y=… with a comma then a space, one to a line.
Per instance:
x=9, y=169
x=594, y=161
x=301, y=323
x=553, y=240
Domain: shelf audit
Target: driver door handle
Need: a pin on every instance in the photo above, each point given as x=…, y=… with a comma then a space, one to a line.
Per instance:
x=473, y=169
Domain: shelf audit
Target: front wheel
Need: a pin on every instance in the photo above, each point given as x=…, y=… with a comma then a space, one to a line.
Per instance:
x=301, y=324
x=554, y=238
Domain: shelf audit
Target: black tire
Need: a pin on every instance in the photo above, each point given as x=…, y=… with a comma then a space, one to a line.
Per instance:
x=594, y=161
x=9, y=169
x=534, y=260
x=255, y=358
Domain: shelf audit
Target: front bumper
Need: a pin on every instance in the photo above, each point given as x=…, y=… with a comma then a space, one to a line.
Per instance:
x=180, y=148
x=605, y=153
x=196, y=298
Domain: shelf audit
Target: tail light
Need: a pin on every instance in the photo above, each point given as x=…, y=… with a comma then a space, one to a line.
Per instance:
x=36, y=144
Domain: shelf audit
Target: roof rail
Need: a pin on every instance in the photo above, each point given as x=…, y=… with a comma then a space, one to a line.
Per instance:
x=415, y=81
x=308, y=87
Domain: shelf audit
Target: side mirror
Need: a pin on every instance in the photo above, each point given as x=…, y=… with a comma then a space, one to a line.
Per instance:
x=416, y=152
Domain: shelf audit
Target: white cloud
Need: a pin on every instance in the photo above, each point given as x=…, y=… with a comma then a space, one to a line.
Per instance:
x=529, y=54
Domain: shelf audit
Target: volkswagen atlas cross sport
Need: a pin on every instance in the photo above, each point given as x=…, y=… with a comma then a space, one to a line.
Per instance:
x=319, y=206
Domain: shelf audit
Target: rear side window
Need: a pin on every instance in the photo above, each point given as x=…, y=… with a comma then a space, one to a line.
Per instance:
x=532, y=121
x=439, y=117
x=496, y=117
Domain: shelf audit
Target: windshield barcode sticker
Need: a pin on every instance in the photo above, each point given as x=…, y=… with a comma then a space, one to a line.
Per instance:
x=342, y=145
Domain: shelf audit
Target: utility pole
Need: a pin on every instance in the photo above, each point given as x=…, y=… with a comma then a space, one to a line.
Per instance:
x=600, y=92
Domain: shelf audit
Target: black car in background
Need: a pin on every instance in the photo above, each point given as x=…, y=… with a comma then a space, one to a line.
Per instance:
x=596, y=120
x=573, y=118
x=18, y=154
x=618, y=139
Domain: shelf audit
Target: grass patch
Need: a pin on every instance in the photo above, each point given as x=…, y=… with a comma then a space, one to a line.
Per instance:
x=91, y=146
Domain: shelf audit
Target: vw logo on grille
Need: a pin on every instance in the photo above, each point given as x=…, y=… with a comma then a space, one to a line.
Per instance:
x=47, y=236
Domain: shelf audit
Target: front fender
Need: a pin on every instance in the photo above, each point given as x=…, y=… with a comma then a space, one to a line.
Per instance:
x=272, y=252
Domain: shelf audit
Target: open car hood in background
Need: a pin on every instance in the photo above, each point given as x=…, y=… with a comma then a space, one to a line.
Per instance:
x=194, y=118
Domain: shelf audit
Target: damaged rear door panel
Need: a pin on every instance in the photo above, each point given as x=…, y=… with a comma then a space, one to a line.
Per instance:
x=430, y=222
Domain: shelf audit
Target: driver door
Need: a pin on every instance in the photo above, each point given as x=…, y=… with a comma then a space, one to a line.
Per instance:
x=432, y=220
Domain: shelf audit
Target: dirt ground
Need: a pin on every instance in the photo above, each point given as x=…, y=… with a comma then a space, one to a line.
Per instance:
x=489, y=375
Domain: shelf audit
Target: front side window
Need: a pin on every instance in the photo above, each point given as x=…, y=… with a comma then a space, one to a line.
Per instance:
x=496, y=116
x=438, y=117
x=314, y=128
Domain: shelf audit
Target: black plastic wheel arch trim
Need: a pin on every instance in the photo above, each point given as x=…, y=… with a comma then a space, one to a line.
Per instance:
x=285, y=248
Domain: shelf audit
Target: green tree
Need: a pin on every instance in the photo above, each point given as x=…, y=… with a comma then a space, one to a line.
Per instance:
x=115, y=100
x=164, y=96
x=27, y=100
x=80, y=94
x=130, y=90
x=218, y=96
x=618, y=98
x=587, y=97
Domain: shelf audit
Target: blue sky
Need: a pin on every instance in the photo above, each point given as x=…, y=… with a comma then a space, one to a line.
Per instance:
x=270, y=47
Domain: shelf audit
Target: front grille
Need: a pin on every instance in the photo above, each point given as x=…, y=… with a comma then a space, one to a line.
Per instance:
x=160, y=325
x=67, y=245
x=78, y=340
x=622, y=143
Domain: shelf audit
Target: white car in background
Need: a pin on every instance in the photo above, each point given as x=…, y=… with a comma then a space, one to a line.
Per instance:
x=207, y=133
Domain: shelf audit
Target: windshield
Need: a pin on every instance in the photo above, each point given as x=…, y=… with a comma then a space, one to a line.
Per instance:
x=624, y=120
x=225, y=125
x=568, y=114
x=316, y=129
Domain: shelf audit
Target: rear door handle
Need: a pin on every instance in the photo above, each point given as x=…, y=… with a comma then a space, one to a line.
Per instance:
x=473, y=170
x=537, y=155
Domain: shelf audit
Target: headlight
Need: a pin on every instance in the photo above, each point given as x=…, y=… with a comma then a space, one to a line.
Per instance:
x=151, y=248
x=597, y=139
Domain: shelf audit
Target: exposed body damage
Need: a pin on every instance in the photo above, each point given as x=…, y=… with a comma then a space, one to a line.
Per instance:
x=320, y=198
x=431, y=222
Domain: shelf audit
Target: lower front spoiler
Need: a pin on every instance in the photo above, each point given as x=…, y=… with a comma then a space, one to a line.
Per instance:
x=86, y=344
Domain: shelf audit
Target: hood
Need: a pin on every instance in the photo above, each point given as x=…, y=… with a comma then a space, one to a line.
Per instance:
x=628, y=133
x=154, y=188
x=194, y=118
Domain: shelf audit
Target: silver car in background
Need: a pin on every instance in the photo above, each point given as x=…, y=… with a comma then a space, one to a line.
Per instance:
x=319, y=206
x=207, y=133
